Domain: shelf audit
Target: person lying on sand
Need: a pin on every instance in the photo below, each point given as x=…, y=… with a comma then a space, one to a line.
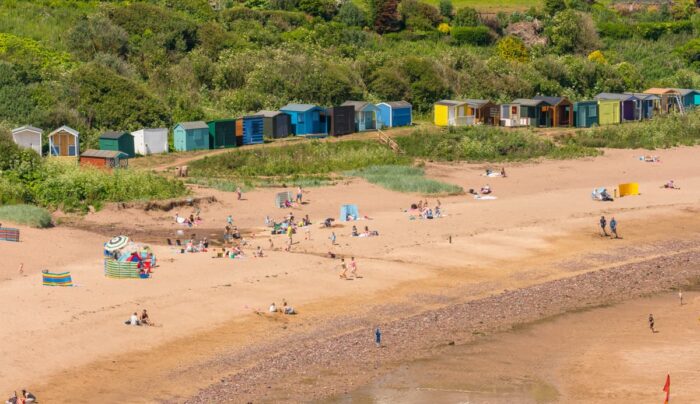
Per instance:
x=671, y=185
x=486, y=189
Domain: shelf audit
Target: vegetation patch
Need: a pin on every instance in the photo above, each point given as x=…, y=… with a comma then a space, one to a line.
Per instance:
x=27, y=215
x=405, y=179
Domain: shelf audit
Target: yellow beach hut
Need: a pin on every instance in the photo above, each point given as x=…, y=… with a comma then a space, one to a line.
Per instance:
x=451, y=113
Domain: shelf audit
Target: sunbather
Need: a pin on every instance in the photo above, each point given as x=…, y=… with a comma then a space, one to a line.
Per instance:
x=671, y=185
x=486, y=189
x=133, y=320
x=354, y=231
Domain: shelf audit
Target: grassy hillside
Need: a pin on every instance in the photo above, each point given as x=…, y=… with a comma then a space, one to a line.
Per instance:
x=488, y=6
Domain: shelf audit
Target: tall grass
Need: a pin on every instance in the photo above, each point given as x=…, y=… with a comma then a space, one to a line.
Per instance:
x=660, y=132
x=405, y=179
x=27, y=215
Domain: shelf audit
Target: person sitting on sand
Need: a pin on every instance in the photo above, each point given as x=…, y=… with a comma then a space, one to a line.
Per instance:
x=133, y=320
x=354, y=231
x=144, y=319
x=328, y=222
x=259, y=252
x=486, y=189
x=28, y=397
x=273, y=308
x=236, y=234
x=307, y=221
x=488, y=172
x=13, y=400
x=289, y=310
x=670, y=185
x=429, y=214
x=438, y=212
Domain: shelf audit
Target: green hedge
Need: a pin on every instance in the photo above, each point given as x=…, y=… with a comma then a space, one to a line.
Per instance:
x=479, y=36
x=646, y=30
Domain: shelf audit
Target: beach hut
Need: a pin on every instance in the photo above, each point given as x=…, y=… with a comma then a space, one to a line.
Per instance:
x=367, y=115
x=395, y=113
x=608, y=112
x=104, y=159
x=189, y=136
x=451, y=113
x=222, y=133
x=306, y=119
x=669, y=100
x=341, y=120
x=150, y=141
x=629, y=105
x=689, y=97
x=276, y=124
x=585, y=114
x=646, y=105
x=561, y=111
x=252, y=129
x=117, y=141
x=482, y=112
x=28, y=137
x=64, y=142
x=526, y=112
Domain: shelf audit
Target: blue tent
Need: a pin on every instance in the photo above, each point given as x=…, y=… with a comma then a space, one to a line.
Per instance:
x=349, y=210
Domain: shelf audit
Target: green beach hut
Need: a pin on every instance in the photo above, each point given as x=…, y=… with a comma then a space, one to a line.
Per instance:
x=585, y=114
x=117, y=141
x=222, y=133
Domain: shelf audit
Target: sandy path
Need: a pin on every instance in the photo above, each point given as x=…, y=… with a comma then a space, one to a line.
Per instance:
x=67, y=330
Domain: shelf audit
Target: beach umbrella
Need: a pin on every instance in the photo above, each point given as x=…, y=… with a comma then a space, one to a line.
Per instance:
x=117, y=243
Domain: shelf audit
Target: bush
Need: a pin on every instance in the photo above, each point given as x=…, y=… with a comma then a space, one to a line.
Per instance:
x=27, y=215
x=405, y=179
x=690, y=51
x=351, y=15
x=512, y=48
x=479, y=36
x=467, y=17
x=616, y=30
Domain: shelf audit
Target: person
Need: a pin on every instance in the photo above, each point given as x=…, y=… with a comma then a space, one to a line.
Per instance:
x=273, y=308
x=13, y=400
x=289, y=310
x=503, y=172
x=28, y=397
x=268, y=222
x=438, y=212
x=272, y=245
x=680, y=296
x=290, y=232
x=205, y=242
x=229, y=220
x=488, y=172
x=299, y=194
x=144, y=318
x=670, y=184
x=328, y=222
x=333, y=238
x=133, y=320
x=353, y=267
x=420, y=205
x=429, y=214
x=239, y=193
x=651, y=323
x=613, y=227
x=259, y=252
x=344, y=267
x=603, y=223
x=378, y=337
x=354, y=231
x=486, y=189
x=21, y=268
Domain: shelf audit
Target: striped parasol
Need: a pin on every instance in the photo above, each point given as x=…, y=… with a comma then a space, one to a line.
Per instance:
x=117, y=243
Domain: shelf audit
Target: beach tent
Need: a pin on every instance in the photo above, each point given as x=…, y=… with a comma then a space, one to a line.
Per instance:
x=585, y=114
x=57, y=279
x=150, y=141
x=281, y=197
x=395, y=113
x=9, y=234
x=121, y=269
x=628, y=189
x=349, y=210
x=28, y=137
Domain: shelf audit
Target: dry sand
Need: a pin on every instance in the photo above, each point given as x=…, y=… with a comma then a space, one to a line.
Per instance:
x=542, y=227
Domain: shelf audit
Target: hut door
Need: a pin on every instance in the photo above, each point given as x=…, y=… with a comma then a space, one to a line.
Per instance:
x=451, y=115
x=369, y=120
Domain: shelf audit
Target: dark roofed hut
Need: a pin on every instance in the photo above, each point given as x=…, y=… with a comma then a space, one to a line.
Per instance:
x=341, y=120
x=562, y=111
x=276, y=124
x=107, y=159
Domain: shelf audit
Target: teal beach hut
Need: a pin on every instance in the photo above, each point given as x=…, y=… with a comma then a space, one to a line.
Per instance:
x=189, y=136
x=585, y=114
x=118, y=141
x=306, y=119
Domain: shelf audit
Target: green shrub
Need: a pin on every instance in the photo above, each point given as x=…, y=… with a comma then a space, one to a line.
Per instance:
x=616, y=30
x=479, y=36
x=27, y=215
x=690, y=51
x=405, y=179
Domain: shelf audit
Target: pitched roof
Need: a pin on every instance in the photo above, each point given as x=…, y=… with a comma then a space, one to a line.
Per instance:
x=529, y=102
x=65, y=128
x=658, y=91
x=298, y=107
x=475, y=102
x=398, y=104
x=268, y=114
x=614, y=96
x=107, y=154
x=113, y=135
x=29, y=128
x=358, y=105
x=644, y=96
x=550, y=100
x=193, y=125
x=685, y=91
x=450, y=103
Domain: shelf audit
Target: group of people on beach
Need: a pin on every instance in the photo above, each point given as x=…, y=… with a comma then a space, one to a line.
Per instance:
x=422, y=210
x=344, y=269
x=24, y=398
x=613, y=227
x=189, y=221
x=285, y=309
x=139, y=320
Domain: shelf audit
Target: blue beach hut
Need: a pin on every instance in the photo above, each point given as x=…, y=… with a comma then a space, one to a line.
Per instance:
x=395, y=113
x=253, y=129
x=191, y=136
x=306, y=119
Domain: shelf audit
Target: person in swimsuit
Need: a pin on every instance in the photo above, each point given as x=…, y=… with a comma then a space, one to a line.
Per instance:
x=353, y=268
x=613, y=227
x=344, y=267
x=651, y=323
x=603, y=223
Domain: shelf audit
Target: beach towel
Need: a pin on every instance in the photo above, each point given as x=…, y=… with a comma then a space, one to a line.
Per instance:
x=57, y=279
x=492, y=175
x=9, y=234
x=485, y=197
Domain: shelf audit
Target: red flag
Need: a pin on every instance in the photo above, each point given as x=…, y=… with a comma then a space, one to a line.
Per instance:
x=667, y=388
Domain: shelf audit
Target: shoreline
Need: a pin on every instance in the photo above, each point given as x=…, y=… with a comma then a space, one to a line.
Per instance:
x=297, y=372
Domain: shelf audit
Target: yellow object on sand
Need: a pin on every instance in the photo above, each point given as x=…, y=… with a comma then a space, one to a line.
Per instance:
x=631, y=188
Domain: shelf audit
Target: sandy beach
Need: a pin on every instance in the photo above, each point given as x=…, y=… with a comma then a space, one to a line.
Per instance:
x=502, y=262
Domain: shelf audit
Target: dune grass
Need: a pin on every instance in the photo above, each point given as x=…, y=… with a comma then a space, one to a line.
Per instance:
x=27, y=215
x=405, y=179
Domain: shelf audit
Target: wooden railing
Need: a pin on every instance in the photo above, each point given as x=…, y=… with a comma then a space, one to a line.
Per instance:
x=384, y=138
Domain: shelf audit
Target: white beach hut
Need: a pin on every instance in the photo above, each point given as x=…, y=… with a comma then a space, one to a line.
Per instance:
x=28, y=137
x=150, y=141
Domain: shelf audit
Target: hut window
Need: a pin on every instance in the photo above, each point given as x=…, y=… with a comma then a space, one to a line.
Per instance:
x=505, y=112
x=300, y=118
x=592, y=111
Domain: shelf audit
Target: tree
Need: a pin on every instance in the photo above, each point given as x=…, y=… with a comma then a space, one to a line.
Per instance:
x=690, y=52
x=467, y=17
x=325, y=9
x=97, y=35
x=512, y=48
x=572, y=32
x=386, y=17
x=446, y=8
x=551, y=7
x=350, y=14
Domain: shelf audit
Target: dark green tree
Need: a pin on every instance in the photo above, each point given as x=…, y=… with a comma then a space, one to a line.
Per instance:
x=446, y=8
x=350, y=14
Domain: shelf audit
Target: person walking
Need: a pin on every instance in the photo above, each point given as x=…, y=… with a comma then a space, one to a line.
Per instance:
x=603, y=223
x=344, y=267
x=239, y=193
x=300, y=194
x=613, y=227
x=378, y=337
x=333, y=238
x=651, y=323
x=229, y=220
x=290, y=234
x=680, y=296
x=353, y=268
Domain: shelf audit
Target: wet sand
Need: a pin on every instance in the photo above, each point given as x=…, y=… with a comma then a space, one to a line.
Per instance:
x=600, y=355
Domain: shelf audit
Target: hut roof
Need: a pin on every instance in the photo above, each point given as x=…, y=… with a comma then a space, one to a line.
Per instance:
x=106, y=154
x=65, y=128
x=193, y=125
x=658, y=91
x=644, y=96
x=398, y=104
x=298, y=107
x=475, y=102
x=113, y=135
x=28, y=128
x=358, y=105
x=450, y=103
x=529, y=102
x=614, y=96
x=268, y=114
x=685, y=91
x=551, y=100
